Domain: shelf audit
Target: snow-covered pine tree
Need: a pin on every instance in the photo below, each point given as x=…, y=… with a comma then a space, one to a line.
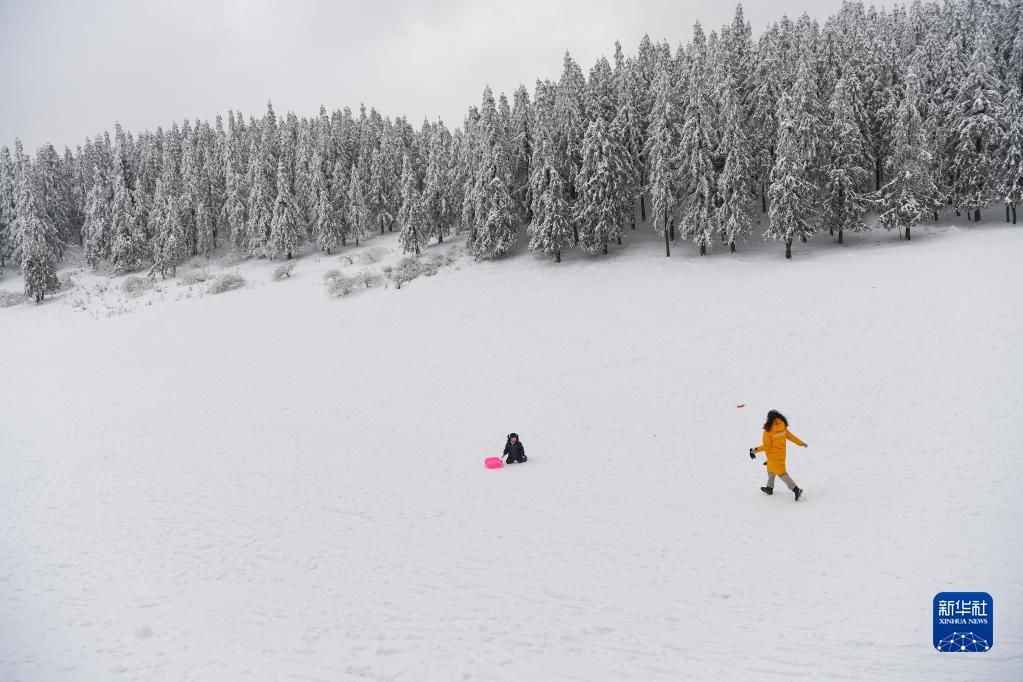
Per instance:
x=697, y=179
x=493, y=231
x=763, y=121
x=845, y=170
x=569, y=125
x=792, y=196
x=734, y=215
x=260, y=199
x=551, y=228
x=662, y=156
x=631, y=132
x=36, y=237
x=233, y=214
x=7, y=205
x=1012, y=166
x=168, y=240
x=97, y=232
x=977, y=131
x=284, y=228
x=413, y=234
x=127, y=248
x=328, y=229
x=52, y=193
x=521, y=151
x=434, y=198
x=357, y=211
x=911, y=195
x=604, y=187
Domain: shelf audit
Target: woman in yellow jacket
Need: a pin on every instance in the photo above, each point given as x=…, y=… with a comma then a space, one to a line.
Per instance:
x=776, y=433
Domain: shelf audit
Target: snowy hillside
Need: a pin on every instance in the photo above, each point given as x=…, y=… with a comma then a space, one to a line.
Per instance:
x=272, y=484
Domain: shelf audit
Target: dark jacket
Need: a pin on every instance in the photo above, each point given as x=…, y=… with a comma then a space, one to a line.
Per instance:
x=514, y=451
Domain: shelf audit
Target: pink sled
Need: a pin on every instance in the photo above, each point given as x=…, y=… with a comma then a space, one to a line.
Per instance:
x=493, y=463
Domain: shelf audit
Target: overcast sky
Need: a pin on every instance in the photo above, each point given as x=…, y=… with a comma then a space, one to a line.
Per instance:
x=70, y=68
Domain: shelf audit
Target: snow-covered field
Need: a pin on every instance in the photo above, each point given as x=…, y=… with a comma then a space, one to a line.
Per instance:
x=270, y=484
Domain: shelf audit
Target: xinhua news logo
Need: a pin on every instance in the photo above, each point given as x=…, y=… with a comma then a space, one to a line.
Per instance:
x=963, y=622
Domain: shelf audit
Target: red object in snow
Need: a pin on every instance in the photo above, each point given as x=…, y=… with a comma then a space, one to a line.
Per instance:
x=741, y=405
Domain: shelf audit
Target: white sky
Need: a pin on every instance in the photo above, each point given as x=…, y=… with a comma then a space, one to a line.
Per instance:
x=69, y=68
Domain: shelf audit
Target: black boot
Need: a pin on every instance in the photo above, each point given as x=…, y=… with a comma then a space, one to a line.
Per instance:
x=769, y=491
x=798, y=492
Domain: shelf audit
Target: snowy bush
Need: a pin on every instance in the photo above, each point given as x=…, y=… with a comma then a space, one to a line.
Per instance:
x=226, y=282
x=136, y=286
x=346, y=259
x=341, y=286
x=235, y=257
x=331, y=275
x=368, y=279
x=8, y=298
x=196, y=277
x=371, y=256
x=283, y=271
x=65, y=282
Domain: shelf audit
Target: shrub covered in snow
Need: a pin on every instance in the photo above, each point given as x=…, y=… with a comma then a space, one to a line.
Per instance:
x=283, y=271
x=136, y=286
x=341, y=285
x=196, y=277
x=373, y=255
x=8, y=298
x=226, y=282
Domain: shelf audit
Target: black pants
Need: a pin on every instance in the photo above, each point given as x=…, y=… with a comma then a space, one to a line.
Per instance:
x=512, y=459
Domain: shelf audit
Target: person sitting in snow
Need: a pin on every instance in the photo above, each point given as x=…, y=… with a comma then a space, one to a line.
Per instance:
x=776, y=433
x=513, y=449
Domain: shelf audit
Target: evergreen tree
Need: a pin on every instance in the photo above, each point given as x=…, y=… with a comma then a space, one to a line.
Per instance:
x=98, y=228
x=551, y=229
x=261, y=199
x=128, y=247
x=233, y=214
x=845, y=172
x=911, y=196
x=168, y=235
x=329, y=227
x=358, y=213
x=976, y=125
x=434, y=199
x=36, y=236
x=411, y=217
x=662, y=157
x=493, y=217
x=1012, y=166
x=792, y=196
x=7, y=205
x=734, y=215
x=284, y=228
x=697, y=180
x=604, y=184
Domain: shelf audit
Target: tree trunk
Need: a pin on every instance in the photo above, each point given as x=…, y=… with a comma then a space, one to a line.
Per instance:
x=976, y=215
x=634, y=217
x=802, y=238
x=703, y=249
x=1007, y=213
x=605, y=248
x=731, y=247
x=1014, y=214
x=840, y=235
x=788, y=248
x=907, y=233
x=289, y=256
x=557, y=255
x=831, y=230
x=935, y=215
x=619, y=241
x=672, y=229
x=877, y=174
x=667, y=244
x=642, y=208
x=763, y=198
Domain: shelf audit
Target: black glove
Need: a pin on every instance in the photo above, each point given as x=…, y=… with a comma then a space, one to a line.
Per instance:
x=752, y=453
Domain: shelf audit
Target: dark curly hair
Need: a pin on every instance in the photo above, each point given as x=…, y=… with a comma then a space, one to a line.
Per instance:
x=771, y=416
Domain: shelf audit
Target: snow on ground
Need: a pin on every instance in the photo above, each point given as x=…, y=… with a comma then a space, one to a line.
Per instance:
x=270, y=484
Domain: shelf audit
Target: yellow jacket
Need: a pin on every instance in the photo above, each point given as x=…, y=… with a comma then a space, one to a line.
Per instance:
x=774, y=446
